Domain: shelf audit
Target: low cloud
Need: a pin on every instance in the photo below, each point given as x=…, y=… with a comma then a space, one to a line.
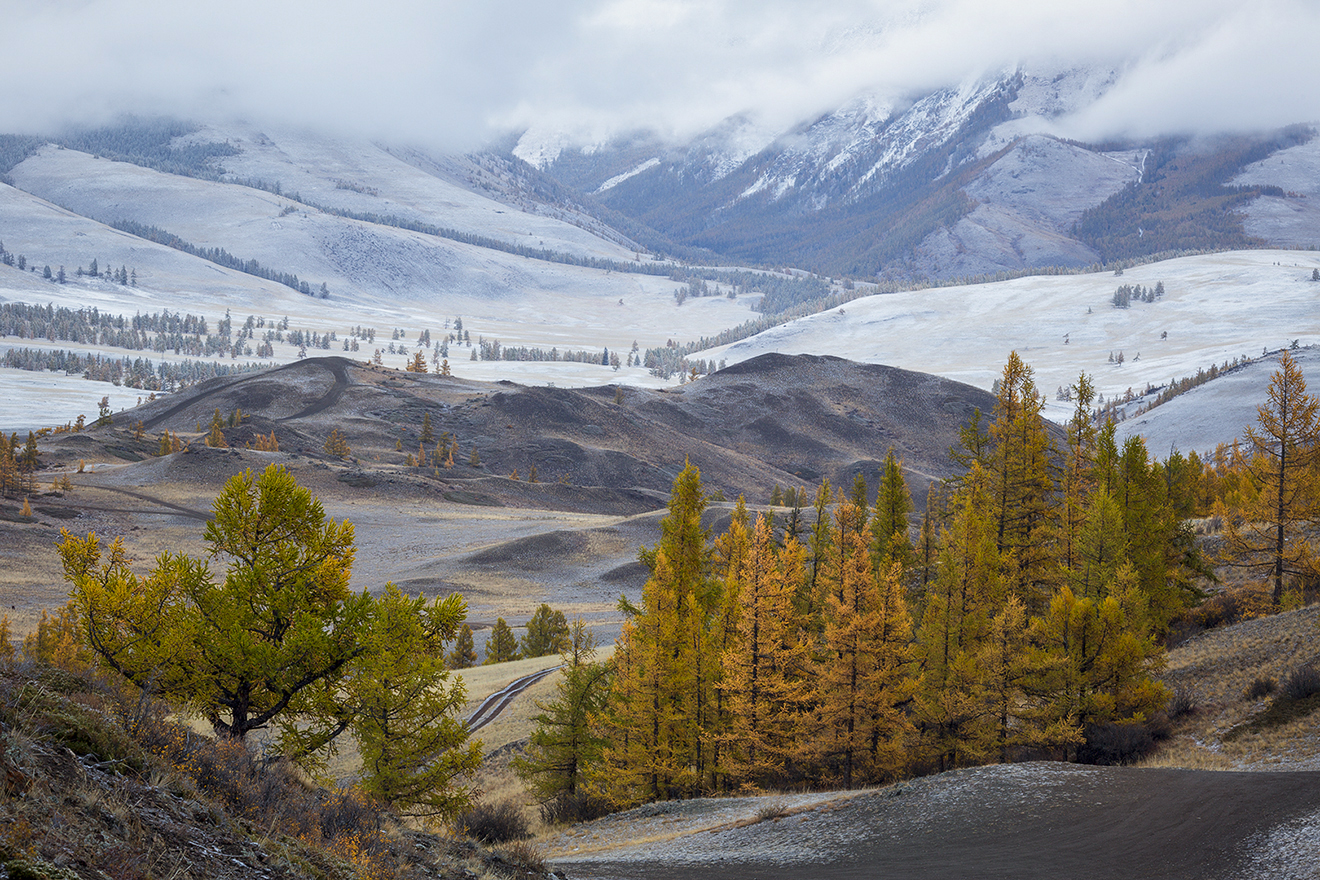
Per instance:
x=454, y=74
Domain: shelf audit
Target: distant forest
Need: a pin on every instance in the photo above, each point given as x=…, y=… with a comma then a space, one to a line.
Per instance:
x=145, y=142
x=1185, y=201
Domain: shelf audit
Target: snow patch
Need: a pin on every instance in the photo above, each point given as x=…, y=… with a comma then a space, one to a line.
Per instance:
x=620, y=178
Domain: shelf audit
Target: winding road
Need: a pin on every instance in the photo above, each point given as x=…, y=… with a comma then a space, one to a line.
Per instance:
x=337, y=366
x=493, y=705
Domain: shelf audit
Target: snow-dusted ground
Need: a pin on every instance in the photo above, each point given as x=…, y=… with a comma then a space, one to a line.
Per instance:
x=605, y=310
x=1216, y=308
x=356, y=260
x=365, y=177
x=1217, y=412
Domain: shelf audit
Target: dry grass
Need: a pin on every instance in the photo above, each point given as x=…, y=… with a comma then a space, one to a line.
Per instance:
x=482, y=681
x=89, y=779
x=1218, y=666
x=1234, y=725
x=1187, y=755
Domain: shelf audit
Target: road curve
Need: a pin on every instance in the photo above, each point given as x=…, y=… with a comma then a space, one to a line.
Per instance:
x=338, y=368
x=493, y=705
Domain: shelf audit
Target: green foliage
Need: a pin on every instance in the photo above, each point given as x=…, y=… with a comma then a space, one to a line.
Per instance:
x=564, y=743
x=547, y=633
x=414, y=749
x=663, y=704
x=464, y=655
x=283, y=643
x=501, y=645
x=244, y=652
x=889, y=522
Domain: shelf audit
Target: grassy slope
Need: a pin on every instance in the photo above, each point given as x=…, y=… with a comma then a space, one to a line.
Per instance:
x=1216, y=668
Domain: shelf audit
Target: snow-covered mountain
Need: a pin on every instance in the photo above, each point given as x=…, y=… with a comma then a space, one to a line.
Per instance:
x=962, y=181
x=554, y=245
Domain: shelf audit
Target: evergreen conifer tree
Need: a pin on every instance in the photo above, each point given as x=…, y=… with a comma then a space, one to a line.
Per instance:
x=1267, y=529
x=502, y=645
x=565, y=743
x=464, y=654
x=547, y=633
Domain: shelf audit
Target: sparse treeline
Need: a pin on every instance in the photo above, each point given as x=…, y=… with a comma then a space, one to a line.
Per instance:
x=1114, y=408
x=782, y=291
x=129, y=372
x=221, y=257
x=1024, y=619
x=160, y=331
x=163, y=332
x=492, y=350
x=18, y=467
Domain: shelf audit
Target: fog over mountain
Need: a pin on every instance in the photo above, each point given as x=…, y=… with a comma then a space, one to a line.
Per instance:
x=452, y=75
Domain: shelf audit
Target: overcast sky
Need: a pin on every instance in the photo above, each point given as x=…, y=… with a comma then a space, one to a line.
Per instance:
x=452, y=74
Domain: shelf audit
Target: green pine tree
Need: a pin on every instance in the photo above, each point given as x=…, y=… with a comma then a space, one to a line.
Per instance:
x=502, y=645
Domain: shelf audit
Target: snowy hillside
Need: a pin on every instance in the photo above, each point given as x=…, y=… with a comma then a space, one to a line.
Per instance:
x=1217, y=412
x=354, y=259
x=1216, y=308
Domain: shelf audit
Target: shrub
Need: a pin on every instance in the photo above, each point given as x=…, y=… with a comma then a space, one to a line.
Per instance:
x=1115, y=744
x=494, y=823
x=569, y=809
x=1262, y=686
x=524, y=856
x=59, y=705
x=1221, y=609
x=347, y=811
x=1181, y=703
x=1304, y=682
x=1160, y=726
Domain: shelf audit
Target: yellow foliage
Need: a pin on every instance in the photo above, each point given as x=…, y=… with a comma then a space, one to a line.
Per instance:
x=6, y=639
x=336, y=445
x=57, y=640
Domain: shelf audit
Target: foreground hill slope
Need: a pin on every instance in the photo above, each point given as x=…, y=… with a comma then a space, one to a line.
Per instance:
x=1021, y=821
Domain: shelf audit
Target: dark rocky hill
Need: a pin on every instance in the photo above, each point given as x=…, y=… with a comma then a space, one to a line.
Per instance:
x=776, y=419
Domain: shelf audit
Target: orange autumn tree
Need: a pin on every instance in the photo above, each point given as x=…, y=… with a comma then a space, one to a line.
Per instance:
x=766, y=664
x=1268, y=522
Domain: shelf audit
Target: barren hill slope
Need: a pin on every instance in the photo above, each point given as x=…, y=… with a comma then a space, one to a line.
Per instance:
x=774, y=419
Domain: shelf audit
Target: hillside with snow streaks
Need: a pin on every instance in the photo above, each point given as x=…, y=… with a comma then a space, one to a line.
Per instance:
x=1216, y=308
x=962, y=181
